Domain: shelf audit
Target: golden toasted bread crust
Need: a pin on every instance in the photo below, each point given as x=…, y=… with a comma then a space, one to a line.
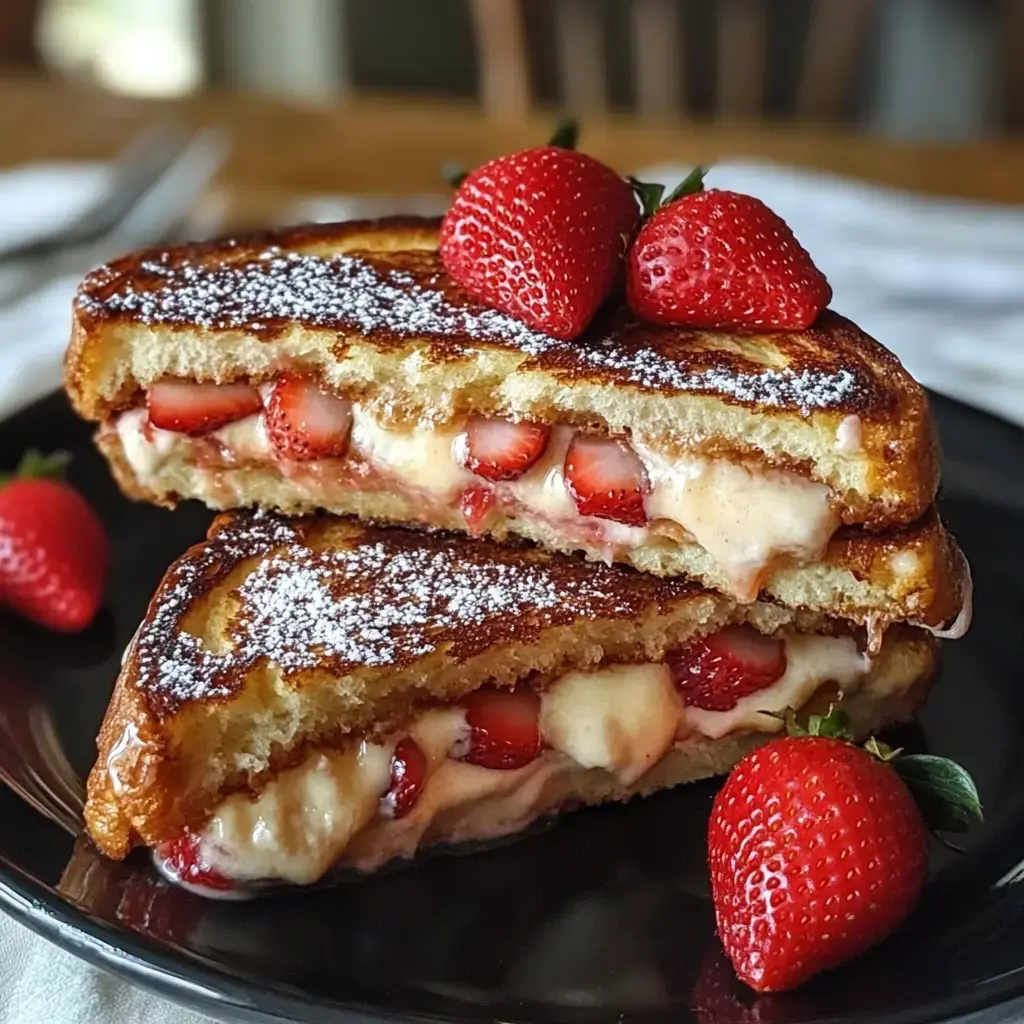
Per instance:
x=368, y=308
x=275, y=636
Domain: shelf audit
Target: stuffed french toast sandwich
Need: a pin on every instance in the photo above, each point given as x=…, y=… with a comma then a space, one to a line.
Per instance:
x=500, y=538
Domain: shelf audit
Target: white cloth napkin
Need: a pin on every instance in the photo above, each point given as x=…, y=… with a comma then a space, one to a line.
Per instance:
x=940, y=282
x=41, y=983
x=33, y=333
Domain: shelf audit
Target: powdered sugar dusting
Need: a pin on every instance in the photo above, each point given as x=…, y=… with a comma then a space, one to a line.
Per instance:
x=389, y=598
x=350, y=294
x=807, y=389
x=314, y=290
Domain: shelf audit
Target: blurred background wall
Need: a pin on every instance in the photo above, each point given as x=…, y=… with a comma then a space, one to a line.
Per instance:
x=935, y=69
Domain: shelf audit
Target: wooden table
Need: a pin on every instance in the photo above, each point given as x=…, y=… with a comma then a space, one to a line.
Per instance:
x=397, y=145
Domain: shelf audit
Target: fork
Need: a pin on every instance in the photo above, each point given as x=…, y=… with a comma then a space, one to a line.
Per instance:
x=132, y=174
x=154, y=211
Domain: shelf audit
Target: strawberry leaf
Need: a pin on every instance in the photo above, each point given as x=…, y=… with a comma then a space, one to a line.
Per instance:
x=944, y=791
x=693, y=182
x=836, y=724
x=882, y=751
x=566, y=135
x=649, y=193
x=35, y=465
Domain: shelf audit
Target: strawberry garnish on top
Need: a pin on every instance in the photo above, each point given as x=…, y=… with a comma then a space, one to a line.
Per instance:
x=504, y=727
x=605, y=478
x=720, y=259
x=540, y=235
x=53, y=547
x=717, y=671
x=306, y=422
x=188, y=407
x=817, y=849
x=498, y=449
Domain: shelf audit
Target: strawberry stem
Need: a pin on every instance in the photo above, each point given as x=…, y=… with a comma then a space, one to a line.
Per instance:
x=836, y=724
x=652, y=194
x=566, y=134
x=35, y=465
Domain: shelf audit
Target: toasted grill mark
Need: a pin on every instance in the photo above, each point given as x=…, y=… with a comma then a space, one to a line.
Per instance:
x=374, y=598
x=265, y=285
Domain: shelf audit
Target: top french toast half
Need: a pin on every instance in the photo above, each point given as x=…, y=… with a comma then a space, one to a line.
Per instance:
x=367, y=309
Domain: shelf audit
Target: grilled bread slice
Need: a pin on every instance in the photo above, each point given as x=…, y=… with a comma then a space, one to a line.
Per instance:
x=822, y=426
x=282, y=662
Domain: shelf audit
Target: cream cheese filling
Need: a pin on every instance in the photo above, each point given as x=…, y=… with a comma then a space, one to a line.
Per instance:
x=621, y=719
x=744, y=518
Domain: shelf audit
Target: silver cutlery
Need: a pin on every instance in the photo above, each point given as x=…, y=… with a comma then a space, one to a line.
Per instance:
x=136, y=168
x=154, y=212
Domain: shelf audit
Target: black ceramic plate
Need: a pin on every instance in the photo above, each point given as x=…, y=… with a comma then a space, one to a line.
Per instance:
x=604, y=917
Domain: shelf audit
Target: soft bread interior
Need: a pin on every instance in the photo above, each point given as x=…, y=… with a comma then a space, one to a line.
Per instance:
x=889, y=476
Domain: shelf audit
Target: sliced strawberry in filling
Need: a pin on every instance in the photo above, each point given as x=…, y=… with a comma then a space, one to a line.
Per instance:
x=606, y=479
x=408, y=774
x=504, y=727
x=717, y=671
x=190, y=408
x=475, y=503
x=497, y=449
x=306, y=422
x=181, y=858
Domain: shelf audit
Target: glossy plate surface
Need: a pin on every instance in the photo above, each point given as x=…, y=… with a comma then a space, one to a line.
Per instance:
x=604, y=917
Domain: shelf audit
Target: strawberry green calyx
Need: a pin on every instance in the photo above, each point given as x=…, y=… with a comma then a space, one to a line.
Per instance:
x=566, y=134
x=649, y=193
x=652, y=194
x=37, y=466
x=454, y=174
x=693, y=182
x=943, y=790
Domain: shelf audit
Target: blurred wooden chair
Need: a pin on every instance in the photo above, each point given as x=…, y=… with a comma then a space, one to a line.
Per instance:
x=835, y=39
x=17, y=28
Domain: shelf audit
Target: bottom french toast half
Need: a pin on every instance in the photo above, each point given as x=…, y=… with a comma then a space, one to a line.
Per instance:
x=311, y=694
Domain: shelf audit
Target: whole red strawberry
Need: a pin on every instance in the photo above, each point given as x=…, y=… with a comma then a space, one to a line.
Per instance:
x=719, y=259
x=817, y=850
x=53, y=548
x=540, y=235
